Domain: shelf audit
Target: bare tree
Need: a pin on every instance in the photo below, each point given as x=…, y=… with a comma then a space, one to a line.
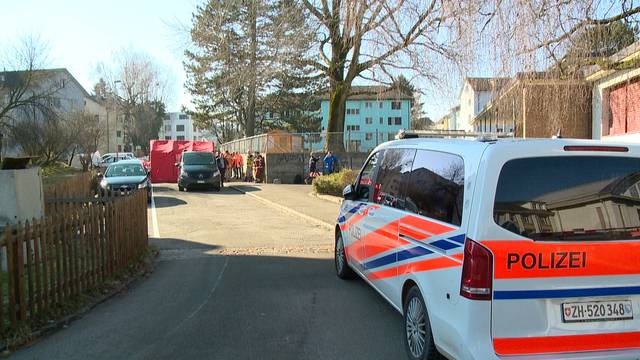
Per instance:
x=89, y=131
x=373, y=38
x=22, y=89
x=135, y=82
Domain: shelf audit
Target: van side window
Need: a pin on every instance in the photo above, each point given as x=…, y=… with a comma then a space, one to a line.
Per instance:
x=436, y=186
x=393, y=174
x=365, y=182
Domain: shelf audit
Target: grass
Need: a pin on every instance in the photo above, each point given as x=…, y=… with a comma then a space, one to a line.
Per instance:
x=56, y=172
x=334, y=184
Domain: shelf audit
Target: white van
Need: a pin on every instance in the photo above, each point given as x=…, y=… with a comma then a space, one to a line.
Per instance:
x=508, y=249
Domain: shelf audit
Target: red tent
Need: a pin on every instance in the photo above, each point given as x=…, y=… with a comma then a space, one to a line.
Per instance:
x=165, y=153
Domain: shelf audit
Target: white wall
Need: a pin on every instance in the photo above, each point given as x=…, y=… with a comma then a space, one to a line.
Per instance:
x=467, y=107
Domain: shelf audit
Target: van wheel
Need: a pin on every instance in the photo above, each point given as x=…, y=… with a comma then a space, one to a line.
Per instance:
x=180, y=188
x=418, y=339
x=340, y=258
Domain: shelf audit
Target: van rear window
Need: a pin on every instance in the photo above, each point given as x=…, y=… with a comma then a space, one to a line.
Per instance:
x=570, y=198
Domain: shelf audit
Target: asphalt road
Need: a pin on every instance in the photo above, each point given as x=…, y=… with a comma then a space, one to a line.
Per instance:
x=236, y=279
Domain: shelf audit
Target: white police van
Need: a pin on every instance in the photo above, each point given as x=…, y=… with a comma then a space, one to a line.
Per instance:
x=518, y=249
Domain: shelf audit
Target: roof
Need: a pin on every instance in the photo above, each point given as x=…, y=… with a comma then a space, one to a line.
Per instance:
x=488, y=83
x=595, y=72
x=51, y=72
x=374, y=93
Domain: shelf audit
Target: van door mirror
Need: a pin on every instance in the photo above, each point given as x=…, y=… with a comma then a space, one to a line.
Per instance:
x=177, y=164
x=349, y=192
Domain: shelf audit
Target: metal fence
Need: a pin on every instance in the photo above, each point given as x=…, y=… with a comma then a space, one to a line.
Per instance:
x=353, y=141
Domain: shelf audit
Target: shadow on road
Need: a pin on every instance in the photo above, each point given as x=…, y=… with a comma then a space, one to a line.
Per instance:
x=247, y=188
x=210, y=306
x=167, y=201
x=179, y=244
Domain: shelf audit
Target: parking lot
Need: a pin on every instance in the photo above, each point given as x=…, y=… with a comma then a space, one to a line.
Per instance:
x=235, y=279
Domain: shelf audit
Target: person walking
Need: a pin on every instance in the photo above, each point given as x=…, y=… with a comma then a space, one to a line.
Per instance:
x=258, y=166
x=228, y=164
x=330, y=161
x=249, y=173
x=239, y=161
x=313, y=168
x=222, y=165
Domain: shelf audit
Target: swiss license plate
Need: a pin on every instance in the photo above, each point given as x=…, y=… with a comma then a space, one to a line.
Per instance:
x=597, y=311
x=200, y=181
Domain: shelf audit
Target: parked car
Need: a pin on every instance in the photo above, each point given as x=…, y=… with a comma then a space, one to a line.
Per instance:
x=111, y=158
x=500, y=249
x=124, y=177
x=198, y=169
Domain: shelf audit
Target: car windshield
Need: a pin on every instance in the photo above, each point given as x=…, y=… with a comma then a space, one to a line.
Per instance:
x=125, y=170
x=198, y=158
x=570, y=198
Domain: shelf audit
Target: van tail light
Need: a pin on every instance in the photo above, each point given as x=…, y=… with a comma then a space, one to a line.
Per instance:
x=477, y=273
x=596, y=148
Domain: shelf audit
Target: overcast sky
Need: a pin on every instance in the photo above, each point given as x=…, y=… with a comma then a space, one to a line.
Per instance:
x=83, y=33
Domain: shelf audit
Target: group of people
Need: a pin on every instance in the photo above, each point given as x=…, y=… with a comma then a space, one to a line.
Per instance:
x=232, y=166
x=329, y=161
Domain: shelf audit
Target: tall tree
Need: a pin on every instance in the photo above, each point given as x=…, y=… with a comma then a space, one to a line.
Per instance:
x=241, y=50
x=372, y=38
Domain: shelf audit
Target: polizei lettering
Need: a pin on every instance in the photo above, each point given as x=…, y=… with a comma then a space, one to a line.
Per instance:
x=553, y=260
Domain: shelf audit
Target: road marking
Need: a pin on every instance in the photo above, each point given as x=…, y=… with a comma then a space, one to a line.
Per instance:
x=154, y=215
x=213, y=289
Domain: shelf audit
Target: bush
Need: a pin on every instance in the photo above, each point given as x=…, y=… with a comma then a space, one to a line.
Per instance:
x=334, y=183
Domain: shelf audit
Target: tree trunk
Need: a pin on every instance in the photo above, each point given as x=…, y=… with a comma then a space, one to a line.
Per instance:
x=337, y=109
x=251, y=107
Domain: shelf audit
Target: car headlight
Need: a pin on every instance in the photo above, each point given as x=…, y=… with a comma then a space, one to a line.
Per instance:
x=103, y=184
x=142, y=185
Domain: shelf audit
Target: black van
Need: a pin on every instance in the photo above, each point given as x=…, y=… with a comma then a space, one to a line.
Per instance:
x=198, y=169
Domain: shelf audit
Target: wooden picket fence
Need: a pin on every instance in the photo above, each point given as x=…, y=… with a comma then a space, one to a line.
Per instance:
x=77, y=186
x=69, y=252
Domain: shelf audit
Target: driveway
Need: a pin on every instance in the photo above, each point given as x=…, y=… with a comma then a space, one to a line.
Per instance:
x=235, y=279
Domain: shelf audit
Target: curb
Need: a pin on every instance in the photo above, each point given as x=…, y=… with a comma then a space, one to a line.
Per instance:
x=287, y=210
x=330, y=198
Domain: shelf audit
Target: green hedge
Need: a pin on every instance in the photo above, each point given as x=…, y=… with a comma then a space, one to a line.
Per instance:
x=334, y=183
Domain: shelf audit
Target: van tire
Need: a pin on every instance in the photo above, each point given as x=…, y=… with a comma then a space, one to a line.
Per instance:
x=180, y=188
x=340, y=260
x=416, y=329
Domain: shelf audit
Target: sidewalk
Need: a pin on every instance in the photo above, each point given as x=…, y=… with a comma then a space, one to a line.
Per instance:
x=295, y=199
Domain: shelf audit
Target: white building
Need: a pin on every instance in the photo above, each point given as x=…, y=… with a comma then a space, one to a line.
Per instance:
x=616, y=98
x=179, y=126
x=474, y=96
x=64, y=94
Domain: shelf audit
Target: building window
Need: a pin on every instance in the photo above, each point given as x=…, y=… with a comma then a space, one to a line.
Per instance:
x=396, y=105
x=380, y=104
x=167, y=117
x=119, y=148
x=391, y=136
x=381, y=121
x=368, y=136
x=183, y=117
x=118, y=133
x=167, y=137
x=167, y=128
x=180, y=137
x=368, y=105
x=353, y=111
x=179, y=127
x=353, y=127
x=398, y=121
x=368, y=120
